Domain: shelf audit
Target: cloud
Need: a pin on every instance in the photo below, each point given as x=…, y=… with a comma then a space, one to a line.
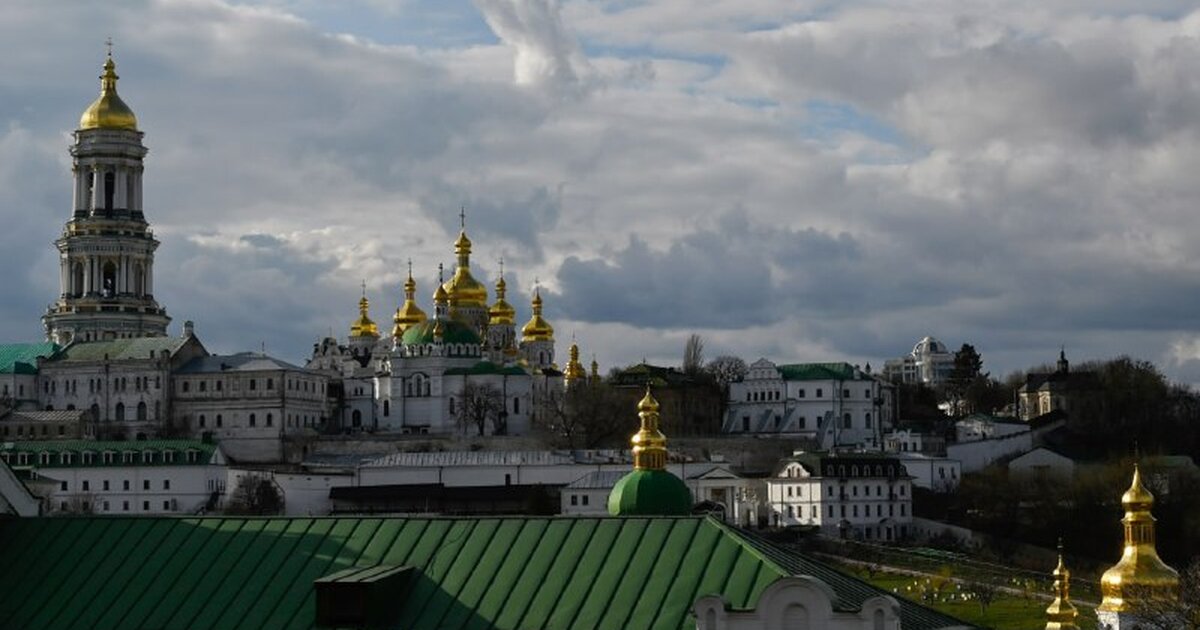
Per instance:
x=546, y=54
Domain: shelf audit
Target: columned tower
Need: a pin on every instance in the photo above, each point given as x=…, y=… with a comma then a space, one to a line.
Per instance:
x=106, y=252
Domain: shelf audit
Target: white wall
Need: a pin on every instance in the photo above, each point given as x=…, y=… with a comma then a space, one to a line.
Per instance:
x=184, y=489
x=976, y=456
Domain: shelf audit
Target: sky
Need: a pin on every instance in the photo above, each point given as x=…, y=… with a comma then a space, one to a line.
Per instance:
x=796, y=180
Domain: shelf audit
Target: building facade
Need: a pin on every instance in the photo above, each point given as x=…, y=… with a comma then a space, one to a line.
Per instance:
x=930, y=363
x=834, y=404
x=867, y=497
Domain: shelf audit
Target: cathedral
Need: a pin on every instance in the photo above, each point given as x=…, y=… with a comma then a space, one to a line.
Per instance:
x=463, y=370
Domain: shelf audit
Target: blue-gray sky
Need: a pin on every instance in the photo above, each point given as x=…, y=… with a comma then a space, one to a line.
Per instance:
x=806, y=181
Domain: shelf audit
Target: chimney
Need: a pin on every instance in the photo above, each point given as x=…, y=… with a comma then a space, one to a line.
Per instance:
x=189, y=329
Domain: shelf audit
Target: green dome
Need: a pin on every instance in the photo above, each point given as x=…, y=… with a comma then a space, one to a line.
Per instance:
x=650, y=493
x=453, y=331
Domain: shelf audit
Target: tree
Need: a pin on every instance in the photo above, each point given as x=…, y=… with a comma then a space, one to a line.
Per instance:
x=983, y=592
x=481, y=406
x=254, y=495
x=726, y=369
x=693, y=355
x=590, y=416
x=1180, y=613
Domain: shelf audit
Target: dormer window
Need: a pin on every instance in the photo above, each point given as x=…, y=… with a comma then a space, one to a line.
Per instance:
x=44, y=458
x=147, y=457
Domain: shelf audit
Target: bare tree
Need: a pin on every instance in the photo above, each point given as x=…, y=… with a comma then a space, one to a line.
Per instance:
x=1183, y=612
x=693, y=354
x=481, y=406
x=254, y=495
x=585, y=417
x=726, y=369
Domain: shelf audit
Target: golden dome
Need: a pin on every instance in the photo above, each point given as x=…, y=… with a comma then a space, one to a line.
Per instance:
x=1140, y=573
x=1061, y=613
x=501, y=313
x=574, y=369
x=363, y=326
x=537, y=328
x=463, y=289
x=649, y=444
x=409, y=314
x=108, y=111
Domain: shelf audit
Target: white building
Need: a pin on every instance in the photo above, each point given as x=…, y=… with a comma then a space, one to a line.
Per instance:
x=980, y=426
x=859, y=495
x=126, y=477
x=910, y=441
x=834, y=403
x=929, y=363
x=939, y=474
x=1042, y=462
x=249, y=402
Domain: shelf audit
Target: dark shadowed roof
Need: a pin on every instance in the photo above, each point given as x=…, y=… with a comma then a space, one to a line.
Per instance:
x=240, y=362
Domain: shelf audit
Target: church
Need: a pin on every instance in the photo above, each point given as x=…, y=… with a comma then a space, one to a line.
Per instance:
x=463, y=370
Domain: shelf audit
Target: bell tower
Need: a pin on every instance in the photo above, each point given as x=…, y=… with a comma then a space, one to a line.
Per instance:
x=106, y=251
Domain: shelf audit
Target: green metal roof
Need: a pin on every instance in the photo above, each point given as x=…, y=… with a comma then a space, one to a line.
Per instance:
x=120, y=349
x=78, y=447
x=453, y=331
x=487, y=367
x=818, y=372
x=21, y=358
x=469, y=572
x=649, y=492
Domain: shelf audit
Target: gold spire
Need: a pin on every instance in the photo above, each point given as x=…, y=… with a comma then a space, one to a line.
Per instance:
x=595, y=370
x=1061, y=613
x=649, y=444
x=537, y=328
x=108, y=111
x=409, y=314
x=574, y=371
x=441, y=300
x=463, y=289
x=1140, y=573
x=363, y=326
x=501, y=313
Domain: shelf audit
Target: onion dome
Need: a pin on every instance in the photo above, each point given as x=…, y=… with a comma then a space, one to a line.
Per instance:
x=1061, y=613
x=595, y=369
x=409, y=313
x=537, y=328
x=441, y=300
x=363, y=326
x=649, y=490
x=501, y=313
x=108, y=111
x=574, y=371
x=1140, y=573
x=463, y=289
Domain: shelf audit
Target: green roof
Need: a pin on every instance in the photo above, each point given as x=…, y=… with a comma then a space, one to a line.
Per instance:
x=21, y=358
x=819, y=372
x=649, y=493
x=120, y=349
x=57, y=447
x=467, y=572
x=453, y=331
x=487, y=367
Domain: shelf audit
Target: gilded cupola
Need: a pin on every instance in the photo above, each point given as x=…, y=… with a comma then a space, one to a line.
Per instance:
x=363, y=326
x=650, y=489
x=501, y=313
x=1140, y=574
x=537, y=328
x=108, y=111
x=1061, y=613
x=463, y=290
x=409, y=314
x=574, y=372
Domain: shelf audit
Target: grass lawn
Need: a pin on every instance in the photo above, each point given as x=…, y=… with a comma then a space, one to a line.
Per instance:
x=1007, y=612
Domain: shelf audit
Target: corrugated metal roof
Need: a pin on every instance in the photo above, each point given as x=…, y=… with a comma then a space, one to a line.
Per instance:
x=60, y=415
x=121, y=349
x=599, y=480
x=820, y=372
x=471, y=573
x=473, y=458
x=22, y=358
x=240, y=362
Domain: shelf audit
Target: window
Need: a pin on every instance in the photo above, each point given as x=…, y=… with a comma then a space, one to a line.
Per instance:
x=218, y=385
x=166, y=484
x=203, y=385
x=585, y=499
x=831, y=511
x=145, y=506
x=201, y=421
x=124, y=506
x=845, y=393
x=218, y=421
x=866, y=393
x=516, y=405
x=574, y=499
x=846, y=423
x=253, y=384
x=867, y=419
x=105, y=485
x=387, y=408
x=252, y=420
x=186, y=386
x=126, y=484
x=106, y=506
x=64, y=486
x=820, y=392
x=86, y=485
x=166, y=506
x=270, y=383
x=903, y=510
x=145, y=484
x=120, y=412
x=270, y=420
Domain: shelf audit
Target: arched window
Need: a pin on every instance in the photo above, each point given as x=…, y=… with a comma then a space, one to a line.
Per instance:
x=77, y=279
x=387, y=408
x=219, y=423
x=846, y=424
x=270, y=420
x=356, y=418
x=95, y=409
x=120, y=412
x=108, y=282
x=251, y=419
x=139, y=280
x=141, y=411
x=201, y=421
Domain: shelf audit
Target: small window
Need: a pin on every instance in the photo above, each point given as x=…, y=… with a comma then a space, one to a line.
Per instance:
x=105, y=485
x=64, y=486
x=253, y=384
x=166, y=484
x=820, y=392
x=186, y=386
x=86, y=485
x=252, y=421
x=270, y=383
x=145, y=506
x=124, y=506
x=145, y=484
x=574, y=499
x=125, y=485
x=166, y=506
x=585, y=499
